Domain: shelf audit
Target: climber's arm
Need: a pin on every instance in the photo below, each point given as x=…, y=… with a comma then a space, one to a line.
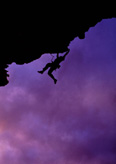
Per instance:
x=66, y=52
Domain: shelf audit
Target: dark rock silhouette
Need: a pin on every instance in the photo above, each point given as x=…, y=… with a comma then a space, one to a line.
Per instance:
x=26, y=39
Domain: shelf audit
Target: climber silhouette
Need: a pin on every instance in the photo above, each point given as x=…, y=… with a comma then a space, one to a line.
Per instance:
x=54, y=65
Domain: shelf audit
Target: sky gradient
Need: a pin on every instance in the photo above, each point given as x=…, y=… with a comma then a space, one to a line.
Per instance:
x=72, y=122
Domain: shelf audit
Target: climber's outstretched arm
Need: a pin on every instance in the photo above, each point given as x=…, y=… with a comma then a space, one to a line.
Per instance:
x=67, y=52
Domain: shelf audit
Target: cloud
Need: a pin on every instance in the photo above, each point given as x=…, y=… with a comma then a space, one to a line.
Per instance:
x=68, y=123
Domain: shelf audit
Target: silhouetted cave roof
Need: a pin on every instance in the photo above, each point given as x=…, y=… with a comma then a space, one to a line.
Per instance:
x=25, y=39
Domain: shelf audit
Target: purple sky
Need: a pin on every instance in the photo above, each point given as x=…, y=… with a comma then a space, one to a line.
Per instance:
x=73, y=122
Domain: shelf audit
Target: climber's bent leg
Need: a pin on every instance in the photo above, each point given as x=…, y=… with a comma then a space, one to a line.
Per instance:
x=45, y=68
x=50, y=74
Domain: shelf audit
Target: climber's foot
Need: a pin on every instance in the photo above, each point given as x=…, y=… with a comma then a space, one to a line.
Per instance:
x=40, y=72
x=55, y=81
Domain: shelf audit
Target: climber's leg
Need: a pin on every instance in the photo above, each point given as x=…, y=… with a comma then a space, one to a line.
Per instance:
x=45, y=68
x=51, y=75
